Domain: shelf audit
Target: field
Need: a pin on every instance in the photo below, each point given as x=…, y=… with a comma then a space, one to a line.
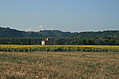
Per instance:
x=59, y=48
x=59, y=65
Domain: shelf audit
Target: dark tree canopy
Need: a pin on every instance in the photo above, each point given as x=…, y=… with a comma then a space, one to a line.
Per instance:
x=13, y=36
x=7, y=32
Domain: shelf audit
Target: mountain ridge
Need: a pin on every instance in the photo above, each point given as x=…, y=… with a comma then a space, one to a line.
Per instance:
x=8, y=32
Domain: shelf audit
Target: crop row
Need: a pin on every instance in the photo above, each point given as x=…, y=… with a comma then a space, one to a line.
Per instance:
x=82, y=48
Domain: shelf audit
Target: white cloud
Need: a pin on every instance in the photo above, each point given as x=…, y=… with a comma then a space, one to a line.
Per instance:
x=36, y=28
x=4, y=26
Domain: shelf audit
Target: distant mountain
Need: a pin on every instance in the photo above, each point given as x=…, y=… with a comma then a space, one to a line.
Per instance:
x=108, y=33
x=8, y=32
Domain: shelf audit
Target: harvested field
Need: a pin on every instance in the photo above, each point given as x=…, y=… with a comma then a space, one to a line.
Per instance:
x=59, y=65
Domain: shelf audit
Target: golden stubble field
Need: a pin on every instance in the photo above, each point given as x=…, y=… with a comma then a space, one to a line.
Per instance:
x=59, y=65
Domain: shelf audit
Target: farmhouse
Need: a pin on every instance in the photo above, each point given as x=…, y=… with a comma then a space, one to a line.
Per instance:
x=47, y=41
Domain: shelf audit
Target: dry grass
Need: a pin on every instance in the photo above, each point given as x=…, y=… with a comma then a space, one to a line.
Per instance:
x=59, y=65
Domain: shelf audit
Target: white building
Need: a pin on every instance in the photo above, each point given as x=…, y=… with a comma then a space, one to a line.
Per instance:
x=47, y=41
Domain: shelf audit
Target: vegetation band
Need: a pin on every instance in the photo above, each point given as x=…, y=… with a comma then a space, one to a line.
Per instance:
x=58, y=48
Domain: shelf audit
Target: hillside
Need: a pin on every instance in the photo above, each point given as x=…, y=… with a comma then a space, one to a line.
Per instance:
x=8, y=32
x=108, y=33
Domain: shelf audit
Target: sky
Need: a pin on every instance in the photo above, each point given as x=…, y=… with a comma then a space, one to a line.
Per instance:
x=63, y=15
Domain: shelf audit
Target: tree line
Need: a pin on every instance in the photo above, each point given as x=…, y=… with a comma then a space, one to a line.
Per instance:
x=61, y=41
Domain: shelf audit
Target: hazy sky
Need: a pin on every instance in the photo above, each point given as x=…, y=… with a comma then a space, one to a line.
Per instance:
x=64, y=15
